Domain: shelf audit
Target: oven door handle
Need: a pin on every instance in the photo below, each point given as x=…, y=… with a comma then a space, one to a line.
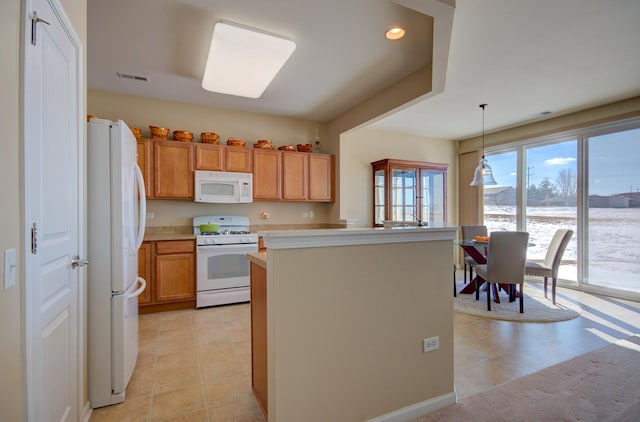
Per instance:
x=249, y=247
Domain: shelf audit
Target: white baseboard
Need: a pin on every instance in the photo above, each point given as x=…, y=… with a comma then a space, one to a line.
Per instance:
x=415, y=410
x=86, y=414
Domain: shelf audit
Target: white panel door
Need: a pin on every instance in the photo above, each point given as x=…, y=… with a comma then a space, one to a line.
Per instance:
x=53, y=184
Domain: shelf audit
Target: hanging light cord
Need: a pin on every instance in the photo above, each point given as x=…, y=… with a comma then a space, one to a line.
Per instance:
x=482, y=106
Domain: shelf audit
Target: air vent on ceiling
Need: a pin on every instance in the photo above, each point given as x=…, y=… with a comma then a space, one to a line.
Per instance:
x=131, y=76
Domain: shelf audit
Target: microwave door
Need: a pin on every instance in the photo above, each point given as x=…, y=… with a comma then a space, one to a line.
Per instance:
x=218, y=191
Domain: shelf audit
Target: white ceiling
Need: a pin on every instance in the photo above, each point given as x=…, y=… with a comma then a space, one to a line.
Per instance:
x=522, y=57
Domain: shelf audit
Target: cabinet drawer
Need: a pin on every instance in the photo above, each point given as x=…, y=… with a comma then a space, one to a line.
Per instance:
x=175, y=246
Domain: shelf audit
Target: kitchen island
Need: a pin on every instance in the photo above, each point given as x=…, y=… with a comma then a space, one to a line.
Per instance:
x=345, y=313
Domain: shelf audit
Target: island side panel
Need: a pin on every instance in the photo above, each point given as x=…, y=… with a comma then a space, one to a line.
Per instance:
x=259, y=334
x=345, y=329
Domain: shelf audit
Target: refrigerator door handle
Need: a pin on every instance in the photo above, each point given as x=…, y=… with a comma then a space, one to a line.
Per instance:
x=142, y=218
x=143, y=286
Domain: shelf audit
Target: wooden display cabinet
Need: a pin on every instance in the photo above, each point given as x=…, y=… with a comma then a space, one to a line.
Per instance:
x=409, y=191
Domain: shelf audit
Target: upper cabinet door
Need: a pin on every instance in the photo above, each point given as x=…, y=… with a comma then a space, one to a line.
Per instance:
x=145, y=157
x=238, y=159
x=321, y=177
x=267, y=174
x=210, y=157
x=295, y=176
x=173, y=169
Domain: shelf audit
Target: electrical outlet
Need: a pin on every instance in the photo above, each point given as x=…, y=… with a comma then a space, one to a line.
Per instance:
x=311, y=214
x=430, y=344
x=9, y=268
x=305, y=214
x=150, y=216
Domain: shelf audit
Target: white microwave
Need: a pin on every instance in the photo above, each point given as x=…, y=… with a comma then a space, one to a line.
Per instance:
x=223, y=187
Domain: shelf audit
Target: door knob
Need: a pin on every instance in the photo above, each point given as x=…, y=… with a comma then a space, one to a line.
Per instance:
x=77, y=262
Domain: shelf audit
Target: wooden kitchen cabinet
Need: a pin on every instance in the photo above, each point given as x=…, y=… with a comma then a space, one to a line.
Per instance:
x=171, y=278
x=173, y=170
x=267, y=174
x=144, y=271
x=145, y=157
x=239, y=159
x=321, y=177
x=175, y=271
x=210, y=157
x=295, y=176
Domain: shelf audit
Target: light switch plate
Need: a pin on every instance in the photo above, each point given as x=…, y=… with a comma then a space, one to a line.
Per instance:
x=9, y=268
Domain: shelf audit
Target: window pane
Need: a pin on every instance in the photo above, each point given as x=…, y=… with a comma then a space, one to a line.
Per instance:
x=500, y=200
x=614, y=211
x=551, y=180
x=403, y=190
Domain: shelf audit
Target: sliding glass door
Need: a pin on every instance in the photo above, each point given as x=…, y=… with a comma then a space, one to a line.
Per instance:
x=613, y=215
x=588, y=181
x=551, y=200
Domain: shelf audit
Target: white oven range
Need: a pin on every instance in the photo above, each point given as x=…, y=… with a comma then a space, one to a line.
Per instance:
x=222, y=274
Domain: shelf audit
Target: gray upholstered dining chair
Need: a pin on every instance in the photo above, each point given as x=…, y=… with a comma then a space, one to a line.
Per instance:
x=551, y=264
x=468, y=233
x=505, y=262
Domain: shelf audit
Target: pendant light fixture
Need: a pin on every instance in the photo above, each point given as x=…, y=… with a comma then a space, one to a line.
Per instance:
x=483, y=174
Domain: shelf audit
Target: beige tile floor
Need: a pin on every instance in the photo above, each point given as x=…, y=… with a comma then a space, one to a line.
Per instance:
x=195, y=365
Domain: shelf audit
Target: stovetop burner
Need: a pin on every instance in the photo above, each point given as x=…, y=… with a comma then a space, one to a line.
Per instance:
x=232, y=230
x=225, y=233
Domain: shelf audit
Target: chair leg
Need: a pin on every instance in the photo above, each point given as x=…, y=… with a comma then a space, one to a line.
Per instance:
x=477, y=289
x=545, y=287
x=455, y=293
x=488, y=295
x=553, y=290
x=465, y=273
x=521, y=298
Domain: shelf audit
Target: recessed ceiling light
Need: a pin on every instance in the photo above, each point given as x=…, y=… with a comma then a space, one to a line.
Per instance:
x=394, y=33
x=243, y=60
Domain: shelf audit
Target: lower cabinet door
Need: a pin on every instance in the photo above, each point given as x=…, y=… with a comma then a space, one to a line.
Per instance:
x=175, y=277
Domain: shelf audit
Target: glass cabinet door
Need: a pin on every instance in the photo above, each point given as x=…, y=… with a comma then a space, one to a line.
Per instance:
x=379, y=201
x=432, y=198
x=403, y=195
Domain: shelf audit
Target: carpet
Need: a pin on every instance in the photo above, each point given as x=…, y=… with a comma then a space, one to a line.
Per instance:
x=598, y=386
x=536, y=307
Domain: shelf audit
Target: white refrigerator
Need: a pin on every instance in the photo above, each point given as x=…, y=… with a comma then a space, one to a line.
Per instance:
x=115, y=228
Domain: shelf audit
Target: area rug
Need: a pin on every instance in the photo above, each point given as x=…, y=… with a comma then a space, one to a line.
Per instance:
x=599, y=386
x=536, y=307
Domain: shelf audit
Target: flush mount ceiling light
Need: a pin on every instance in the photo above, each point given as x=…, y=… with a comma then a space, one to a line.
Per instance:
x=243, y=60
x=394, y=33
x=483, y=174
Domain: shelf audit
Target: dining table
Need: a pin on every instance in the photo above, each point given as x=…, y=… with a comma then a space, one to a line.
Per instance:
x=479, y=251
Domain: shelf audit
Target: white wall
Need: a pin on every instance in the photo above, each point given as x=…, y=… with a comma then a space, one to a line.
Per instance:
x=345, y=340
x=360, y=148
x=12, y=380
x=12, y=400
